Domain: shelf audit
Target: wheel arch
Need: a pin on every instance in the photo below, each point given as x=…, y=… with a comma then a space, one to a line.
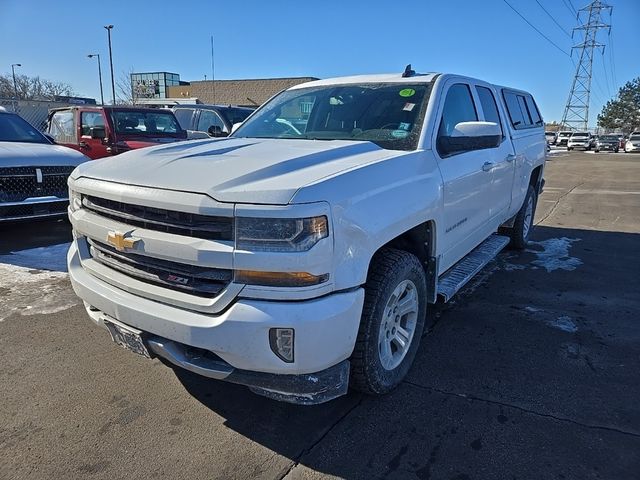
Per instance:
x=421, y=242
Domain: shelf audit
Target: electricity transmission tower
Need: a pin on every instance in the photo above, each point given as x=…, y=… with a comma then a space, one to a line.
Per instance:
x=576, y=112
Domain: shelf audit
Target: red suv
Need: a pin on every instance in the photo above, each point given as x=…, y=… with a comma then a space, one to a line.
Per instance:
x=103, y=131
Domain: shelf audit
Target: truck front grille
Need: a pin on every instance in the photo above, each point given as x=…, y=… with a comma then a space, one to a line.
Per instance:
x=170, y=221
x=200, y=281
x=19, y=183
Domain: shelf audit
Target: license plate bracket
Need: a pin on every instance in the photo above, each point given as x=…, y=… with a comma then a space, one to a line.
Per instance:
x=127, y=337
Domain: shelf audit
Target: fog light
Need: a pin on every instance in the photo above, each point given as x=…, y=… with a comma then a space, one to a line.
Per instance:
x=281, y=342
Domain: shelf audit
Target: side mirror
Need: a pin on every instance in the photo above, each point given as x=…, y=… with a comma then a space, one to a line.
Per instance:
x=97, y=133
x=216, y=131
x=468, y=136
x=235, y=126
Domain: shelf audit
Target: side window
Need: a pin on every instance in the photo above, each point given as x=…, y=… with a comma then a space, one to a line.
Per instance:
x=90, y=119
x=458, y=107
x=489, y=107
x=523, y=112
x=62, y=127
x=184, y=116
x=533, y=110
x=209, y=118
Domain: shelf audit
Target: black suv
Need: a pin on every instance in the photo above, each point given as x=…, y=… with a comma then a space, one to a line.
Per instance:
x=203, y=121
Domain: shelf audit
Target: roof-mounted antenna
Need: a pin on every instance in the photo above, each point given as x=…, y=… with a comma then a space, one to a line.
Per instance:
x=408, y=72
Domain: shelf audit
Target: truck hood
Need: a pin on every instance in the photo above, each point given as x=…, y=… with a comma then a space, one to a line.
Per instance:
x=24, y=154
x=237, y=170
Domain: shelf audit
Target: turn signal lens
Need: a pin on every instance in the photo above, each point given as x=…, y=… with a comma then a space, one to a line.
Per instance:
x=279, y=279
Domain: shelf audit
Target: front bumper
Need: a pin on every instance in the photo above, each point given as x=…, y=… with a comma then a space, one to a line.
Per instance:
x=584, y=146
x=325, y=332
x=34, y=209
x=632, y=148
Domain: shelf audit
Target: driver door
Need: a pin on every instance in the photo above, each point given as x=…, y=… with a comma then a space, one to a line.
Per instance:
x=92, y=147
x=466, y=180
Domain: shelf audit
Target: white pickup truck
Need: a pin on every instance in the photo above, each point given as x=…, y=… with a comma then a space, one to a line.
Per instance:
x=299, y=255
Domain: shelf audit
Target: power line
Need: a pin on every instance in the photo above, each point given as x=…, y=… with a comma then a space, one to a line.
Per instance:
x=571, y=11
x=606, y=76
x=572, y=7
x=532, y=26
x=613, y=63
x=554, y=20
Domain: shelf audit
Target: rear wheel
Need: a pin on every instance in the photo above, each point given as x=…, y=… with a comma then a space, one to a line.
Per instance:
x=392, y=322
x=597, y=151
x=523, y=224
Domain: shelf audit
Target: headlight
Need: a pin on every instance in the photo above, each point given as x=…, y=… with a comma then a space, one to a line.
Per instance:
x=75, y=200
x=280, y=234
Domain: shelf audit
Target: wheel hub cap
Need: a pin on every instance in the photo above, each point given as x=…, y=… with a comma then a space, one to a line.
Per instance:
x=398, y=325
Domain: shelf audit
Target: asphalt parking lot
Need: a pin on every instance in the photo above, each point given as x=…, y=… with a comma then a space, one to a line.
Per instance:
x=531, y=372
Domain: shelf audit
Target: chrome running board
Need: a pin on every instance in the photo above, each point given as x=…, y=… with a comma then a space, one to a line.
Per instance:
x=457, y=276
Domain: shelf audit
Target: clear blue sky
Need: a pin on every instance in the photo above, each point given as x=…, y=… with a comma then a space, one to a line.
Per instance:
x=259, y=39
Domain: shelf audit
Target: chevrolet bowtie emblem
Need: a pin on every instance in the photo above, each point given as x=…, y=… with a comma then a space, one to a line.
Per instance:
x=119, y=241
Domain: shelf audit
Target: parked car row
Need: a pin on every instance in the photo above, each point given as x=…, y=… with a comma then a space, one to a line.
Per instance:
x=34, y=167
x=587, y=141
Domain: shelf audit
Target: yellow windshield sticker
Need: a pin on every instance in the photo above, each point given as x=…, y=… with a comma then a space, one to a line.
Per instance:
x=407, y=92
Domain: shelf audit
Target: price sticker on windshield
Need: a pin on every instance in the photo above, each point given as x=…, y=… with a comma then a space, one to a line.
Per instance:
x=407, y=92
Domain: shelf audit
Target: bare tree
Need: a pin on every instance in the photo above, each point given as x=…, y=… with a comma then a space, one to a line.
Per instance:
x=124, y=90
x=32, y=88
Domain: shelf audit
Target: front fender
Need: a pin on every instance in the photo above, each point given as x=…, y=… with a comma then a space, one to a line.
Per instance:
x=374, y=204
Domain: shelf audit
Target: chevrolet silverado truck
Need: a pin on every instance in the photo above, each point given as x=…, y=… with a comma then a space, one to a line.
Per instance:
x=299, y=258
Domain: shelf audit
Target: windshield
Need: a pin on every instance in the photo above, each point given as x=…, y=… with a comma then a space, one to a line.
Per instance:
x=567, y=134
x=389, y=115
x=634, y=137
x=145, y=123
x=580, y=135
x=236, y=115
x=14, y=129
x=609, y=138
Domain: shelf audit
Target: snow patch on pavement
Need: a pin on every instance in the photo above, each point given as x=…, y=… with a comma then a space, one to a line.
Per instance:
x=35, y=281
x=563, y=323
x=555, y=254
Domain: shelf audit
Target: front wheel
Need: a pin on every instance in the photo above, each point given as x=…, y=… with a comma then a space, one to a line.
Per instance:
x=393, y=318
x=597, y=151
x=523, y=224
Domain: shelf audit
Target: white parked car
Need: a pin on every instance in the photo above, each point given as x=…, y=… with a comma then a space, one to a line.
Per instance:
x=579, y=140
x=33, y=172
x=633, y=143
x=301, y=261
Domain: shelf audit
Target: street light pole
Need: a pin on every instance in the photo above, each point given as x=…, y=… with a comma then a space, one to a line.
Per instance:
x=13, y=72
x=113, y=82
x=91, y=55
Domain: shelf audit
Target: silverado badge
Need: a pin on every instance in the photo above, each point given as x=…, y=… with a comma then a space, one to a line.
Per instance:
x=118, y=240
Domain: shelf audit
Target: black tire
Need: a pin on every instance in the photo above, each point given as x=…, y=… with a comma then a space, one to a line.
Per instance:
x=388, y=270
x=569, y=149
x=518, y=233
x=597, y=151
x=616, y=150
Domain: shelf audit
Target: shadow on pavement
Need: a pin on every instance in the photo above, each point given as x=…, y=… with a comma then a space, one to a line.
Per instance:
x=531, y=372
x=33, y=234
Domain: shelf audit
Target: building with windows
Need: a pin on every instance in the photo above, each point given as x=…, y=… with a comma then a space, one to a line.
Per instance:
x=247, y=93
x=152, y=84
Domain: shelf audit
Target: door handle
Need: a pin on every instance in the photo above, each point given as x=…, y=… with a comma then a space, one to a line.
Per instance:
x=487, y=166
x=510, y=158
